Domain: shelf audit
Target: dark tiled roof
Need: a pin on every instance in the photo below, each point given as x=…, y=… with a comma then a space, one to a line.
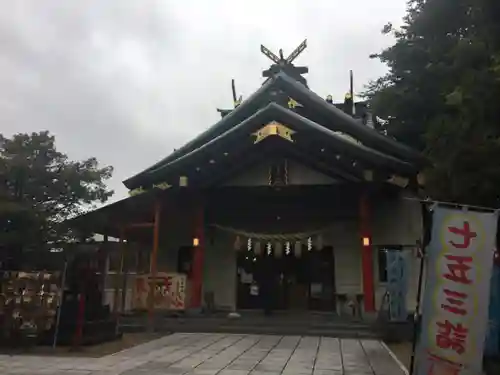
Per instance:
x=324, y=118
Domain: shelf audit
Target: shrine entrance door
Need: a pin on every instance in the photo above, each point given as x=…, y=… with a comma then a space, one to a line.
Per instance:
x=305, y=282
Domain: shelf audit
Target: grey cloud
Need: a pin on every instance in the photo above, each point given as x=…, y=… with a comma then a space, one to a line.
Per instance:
x=128, y=81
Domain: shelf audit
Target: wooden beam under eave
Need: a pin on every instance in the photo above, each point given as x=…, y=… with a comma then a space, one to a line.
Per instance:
x=317, y=162
x=244, y=159
x=139, y=225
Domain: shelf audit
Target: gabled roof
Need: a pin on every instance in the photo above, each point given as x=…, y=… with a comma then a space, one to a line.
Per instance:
x=238, y=141
x=240, y=113
x=257, y=110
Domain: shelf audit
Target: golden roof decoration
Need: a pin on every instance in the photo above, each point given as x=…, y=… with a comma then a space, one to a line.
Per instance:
x=273, y=128
x=292, y=103
x=141, y=190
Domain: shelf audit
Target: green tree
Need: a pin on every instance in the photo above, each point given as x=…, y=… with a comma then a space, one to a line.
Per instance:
x=441, y=94
x=40, y=188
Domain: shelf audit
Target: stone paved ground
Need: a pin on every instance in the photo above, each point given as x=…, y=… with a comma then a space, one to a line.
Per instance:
x=222, y=354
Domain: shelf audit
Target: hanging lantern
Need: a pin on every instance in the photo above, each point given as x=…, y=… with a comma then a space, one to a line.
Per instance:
x=278, y=249
x=309, y=244
x=319, y=242
x=249, y=244
x=288, y=248
x=269, y=248
x=257, y=248
x=237, y=243
x=366, y=241
x=297, y=249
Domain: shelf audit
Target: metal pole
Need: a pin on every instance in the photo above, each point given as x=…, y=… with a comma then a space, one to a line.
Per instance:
x=61, y=295
x=416, y=316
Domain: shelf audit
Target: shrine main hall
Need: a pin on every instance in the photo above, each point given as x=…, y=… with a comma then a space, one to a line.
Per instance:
x=289, y=194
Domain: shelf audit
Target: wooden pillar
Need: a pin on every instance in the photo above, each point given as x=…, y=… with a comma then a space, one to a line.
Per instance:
x=116, y=296
x=153, y=267
x=367, y=253
x=105, y=270
x=198, y=257
x=80, y=319
x=125, y=264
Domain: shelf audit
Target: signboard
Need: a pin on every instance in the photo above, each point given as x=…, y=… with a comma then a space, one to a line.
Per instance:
x=397, y=284
x=169, y=293
x=457, y=293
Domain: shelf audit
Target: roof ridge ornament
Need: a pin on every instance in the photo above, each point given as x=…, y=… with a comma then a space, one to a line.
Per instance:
x=236, y=101
x=296, y=52
x=273, y=128
x=280, y=63
x=292, y=103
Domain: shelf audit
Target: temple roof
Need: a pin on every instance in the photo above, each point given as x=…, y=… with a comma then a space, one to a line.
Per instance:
x=320, y=128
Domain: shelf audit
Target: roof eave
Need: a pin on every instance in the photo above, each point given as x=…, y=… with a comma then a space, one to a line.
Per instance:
x=236, y=116
x=276, y=112
x=347, y=123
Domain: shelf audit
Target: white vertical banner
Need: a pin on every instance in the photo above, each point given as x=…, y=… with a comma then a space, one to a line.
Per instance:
x=455, y=305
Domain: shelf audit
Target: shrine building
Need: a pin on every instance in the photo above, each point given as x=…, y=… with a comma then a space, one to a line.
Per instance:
x=287, y=186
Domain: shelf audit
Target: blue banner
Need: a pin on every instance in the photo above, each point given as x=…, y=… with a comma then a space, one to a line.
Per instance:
x=492, y=344
x=397, y=284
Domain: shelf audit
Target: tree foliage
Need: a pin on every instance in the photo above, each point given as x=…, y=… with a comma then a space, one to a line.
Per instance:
x=40, y=188
x=441, y=94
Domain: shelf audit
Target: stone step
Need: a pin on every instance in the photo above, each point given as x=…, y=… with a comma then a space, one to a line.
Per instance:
x=242, y=325
x=258, y=325
x=276, y=321
x=299, y=331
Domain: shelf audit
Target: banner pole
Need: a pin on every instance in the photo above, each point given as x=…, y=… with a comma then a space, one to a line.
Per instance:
x=416, y=314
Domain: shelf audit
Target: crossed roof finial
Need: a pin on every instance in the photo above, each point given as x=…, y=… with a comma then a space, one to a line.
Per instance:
x=282, y=64
x=296, y=52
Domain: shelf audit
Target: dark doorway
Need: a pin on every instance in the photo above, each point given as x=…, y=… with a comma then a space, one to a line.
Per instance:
x=322, y=279
x=305, y=282
x=259, y=277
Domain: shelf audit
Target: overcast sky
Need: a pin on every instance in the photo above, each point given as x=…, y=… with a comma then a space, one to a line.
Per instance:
x=127, y=81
